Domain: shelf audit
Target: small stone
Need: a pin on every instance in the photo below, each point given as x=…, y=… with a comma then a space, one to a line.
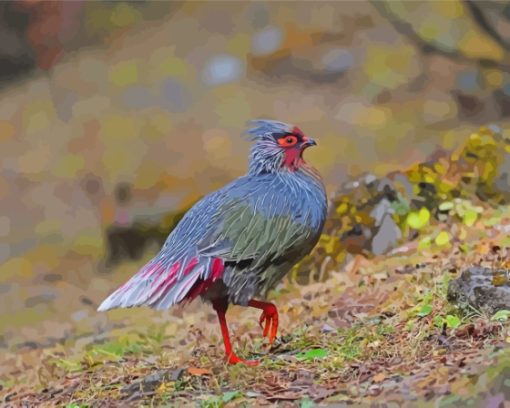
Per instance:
x=337, y=60
x=326, y=328
x=43, y=298
x=79, y=315
x=481, y=288
x=387, y=236
x=149, y=383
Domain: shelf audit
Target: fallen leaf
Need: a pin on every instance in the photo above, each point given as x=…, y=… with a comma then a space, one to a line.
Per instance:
x=312, y=354
x=231, y=395
x=452, y=321
x=199, y=371
x=425, y=310
x=443, y=238
x=501, y=316
x=379, y=377
x=285, y=396
x=418, y=219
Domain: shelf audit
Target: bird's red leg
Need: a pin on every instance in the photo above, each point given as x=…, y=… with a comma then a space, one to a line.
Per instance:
x=358, y=261
x=269, y=316
x=221, y=305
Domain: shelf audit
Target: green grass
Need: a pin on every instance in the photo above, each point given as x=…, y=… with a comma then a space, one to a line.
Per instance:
x=409, y=332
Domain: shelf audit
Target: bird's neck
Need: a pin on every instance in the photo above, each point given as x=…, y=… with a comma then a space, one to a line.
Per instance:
x=297, y=168
x=293, y=160
x=311, y=171
x=288, y=162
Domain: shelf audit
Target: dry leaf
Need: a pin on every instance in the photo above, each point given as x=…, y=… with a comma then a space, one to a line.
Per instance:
x=379, y=377
x=199, y=371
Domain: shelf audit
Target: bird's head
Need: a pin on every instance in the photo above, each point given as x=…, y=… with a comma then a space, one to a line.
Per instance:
x=277, y=146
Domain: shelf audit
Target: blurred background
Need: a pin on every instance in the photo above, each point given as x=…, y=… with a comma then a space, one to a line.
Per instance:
x=116, y=116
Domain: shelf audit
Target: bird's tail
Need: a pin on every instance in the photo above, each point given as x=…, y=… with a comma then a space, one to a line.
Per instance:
x=158, y=284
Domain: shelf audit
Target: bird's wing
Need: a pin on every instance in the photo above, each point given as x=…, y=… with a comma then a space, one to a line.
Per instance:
x=253, y=233
x=178, y=272
x=257, y=245
x=243, y=226
x=161, y=284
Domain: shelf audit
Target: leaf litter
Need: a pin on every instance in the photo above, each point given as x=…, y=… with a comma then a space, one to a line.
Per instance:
x=383, y=331
x=388, y=338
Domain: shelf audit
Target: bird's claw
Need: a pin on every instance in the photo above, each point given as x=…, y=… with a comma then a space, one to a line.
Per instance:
x=233, y=359
x=269, y=323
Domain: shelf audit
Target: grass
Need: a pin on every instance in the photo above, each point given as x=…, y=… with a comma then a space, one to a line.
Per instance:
x=371, y=352
x=360, y=338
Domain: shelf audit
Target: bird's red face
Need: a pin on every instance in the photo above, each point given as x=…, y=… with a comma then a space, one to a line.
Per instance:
x=293, y=145
x=278, y=147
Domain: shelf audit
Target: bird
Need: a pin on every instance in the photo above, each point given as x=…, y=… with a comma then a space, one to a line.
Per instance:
x=237, y=243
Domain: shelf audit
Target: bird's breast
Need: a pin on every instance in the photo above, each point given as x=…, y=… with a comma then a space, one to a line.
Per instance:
x=305, y=196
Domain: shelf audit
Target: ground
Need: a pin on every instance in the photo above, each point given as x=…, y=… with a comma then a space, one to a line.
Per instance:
x=385, y=334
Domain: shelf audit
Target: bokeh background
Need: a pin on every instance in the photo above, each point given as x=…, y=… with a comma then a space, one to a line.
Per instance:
x=116, y=116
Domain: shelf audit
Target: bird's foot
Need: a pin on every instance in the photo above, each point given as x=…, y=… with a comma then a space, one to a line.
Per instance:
x=269, y=322
x=233, y=359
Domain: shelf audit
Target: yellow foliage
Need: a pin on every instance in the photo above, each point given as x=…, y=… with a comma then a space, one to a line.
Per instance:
x=449, y=9
x=124, y=73
x=342, y=208
x=474, y=44
x=331, y=245
x=442, y=239
x=493, y=77
x=418, y=219
x=16, y=267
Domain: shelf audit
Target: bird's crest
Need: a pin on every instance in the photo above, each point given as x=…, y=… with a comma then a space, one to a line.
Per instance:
x=265, y=128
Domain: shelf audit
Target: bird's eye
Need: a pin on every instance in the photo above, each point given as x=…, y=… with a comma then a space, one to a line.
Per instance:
x=287, y=141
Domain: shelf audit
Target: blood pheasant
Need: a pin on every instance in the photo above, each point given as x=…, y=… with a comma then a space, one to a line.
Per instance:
x=238, y=242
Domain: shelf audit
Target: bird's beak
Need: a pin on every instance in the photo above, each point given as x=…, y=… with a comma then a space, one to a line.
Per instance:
x=307, y=142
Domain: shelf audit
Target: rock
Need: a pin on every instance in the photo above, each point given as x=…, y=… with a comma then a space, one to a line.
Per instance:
x=149, y=383
x=326, y=328
x=388, y=233
x=502, y=179
x=364, y=209
x=45, y=297
x=387, y=236
x=337, y=60
x=79, y=315
x=482, y=288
